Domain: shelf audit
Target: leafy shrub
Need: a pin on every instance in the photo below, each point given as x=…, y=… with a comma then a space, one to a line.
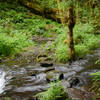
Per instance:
x=55, y=92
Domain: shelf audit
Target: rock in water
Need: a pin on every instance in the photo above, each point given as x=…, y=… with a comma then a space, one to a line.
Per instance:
x=61, y=76
x=46, y=64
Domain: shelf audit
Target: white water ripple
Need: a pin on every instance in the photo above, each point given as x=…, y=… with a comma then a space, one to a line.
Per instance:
x=2, y=81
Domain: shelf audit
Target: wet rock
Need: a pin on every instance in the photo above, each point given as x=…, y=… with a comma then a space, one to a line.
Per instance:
x=77, y=67
x=41, y=59
x=49, y=69
x=73, y=81
x=76, y=94
x=42, y=55
x=65, y=84
x=62, y=69
x=33, y=75
x=44, y=59
x=69, y=74
x=52, y=76
x=36, y=89
x=33, y=98
x=61, y=76
x=46, y=64
x=35, y=70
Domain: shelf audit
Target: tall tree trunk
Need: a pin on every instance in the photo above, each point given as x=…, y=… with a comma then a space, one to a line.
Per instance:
x=60, y=12
x=71, y=23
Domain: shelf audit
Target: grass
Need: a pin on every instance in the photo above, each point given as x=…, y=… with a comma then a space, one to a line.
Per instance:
x=55, y=92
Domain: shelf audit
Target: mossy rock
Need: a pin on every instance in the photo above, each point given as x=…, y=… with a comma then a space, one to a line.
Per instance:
x=52, y=75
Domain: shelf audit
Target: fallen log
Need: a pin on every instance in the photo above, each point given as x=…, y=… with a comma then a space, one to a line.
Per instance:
x=35, y=7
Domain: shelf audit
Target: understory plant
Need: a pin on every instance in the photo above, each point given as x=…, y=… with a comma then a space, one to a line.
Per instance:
x=11, y=45
x=84, y=42
x=96, y=83
x=55, y=92
x=17, y=27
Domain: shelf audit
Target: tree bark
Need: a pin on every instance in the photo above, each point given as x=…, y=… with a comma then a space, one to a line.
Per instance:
x=60, y=12
x=36, y=7
x=71, y=23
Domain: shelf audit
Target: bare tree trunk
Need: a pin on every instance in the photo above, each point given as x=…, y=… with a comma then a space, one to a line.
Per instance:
x=71, y=23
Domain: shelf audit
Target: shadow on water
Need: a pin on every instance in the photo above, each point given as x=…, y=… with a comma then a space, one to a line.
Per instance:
x=20, y=81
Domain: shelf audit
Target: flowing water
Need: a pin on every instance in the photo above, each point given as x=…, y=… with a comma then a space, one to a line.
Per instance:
x=20, y=81
x=2, y=81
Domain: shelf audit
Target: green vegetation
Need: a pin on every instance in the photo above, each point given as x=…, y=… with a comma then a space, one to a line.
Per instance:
x=97, y=62
x=84, y=39
x=12, y=37
x=18, y=25
x=55, y=92
x=76, y=26
x=96, y=82
x=11, y=45
x=20, y=20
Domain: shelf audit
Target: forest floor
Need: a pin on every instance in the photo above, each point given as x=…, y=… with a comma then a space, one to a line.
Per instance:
x=20, y=28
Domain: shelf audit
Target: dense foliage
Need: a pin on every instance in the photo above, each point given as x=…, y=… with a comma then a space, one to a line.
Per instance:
x=19, y=20
x=84, y=40
x=17, y=25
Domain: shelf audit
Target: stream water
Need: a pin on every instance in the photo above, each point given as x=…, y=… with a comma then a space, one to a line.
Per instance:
x=20, y=81
x=2, y=81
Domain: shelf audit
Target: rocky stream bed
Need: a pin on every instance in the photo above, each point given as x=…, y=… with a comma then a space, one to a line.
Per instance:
x=21, y=81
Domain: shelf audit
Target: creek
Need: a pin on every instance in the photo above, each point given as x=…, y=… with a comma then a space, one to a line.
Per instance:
x=20, y=81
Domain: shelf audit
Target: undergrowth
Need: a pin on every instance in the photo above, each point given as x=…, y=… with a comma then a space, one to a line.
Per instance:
x=96, y=83
x=17, y=19
x=11, y=45
x=55, y=92
x=18, y=25
x=84, y=39
x=14, y=17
